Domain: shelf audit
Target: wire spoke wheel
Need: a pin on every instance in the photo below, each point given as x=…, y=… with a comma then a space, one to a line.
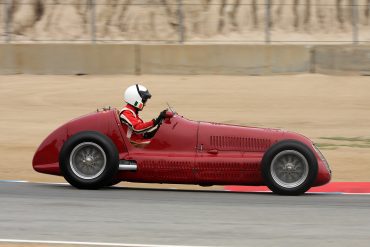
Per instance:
x=88, y=160
x=289, y=169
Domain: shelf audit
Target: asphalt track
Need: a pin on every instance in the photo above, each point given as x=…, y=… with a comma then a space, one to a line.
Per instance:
x=52, y=212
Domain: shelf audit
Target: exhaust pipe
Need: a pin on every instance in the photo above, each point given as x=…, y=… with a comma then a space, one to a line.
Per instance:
x=127, y=165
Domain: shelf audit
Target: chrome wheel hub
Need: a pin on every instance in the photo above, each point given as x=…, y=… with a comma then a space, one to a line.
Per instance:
x=88, y=160
x=289, y=168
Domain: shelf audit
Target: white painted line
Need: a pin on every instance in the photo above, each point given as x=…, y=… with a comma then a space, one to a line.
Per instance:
x=30, y=182
x=345, y=193
x=88, y=243
x=14, y=181
x=49, y=183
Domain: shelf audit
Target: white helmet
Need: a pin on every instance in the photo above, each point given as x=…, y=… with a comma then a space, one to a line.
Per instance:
x=137, y=95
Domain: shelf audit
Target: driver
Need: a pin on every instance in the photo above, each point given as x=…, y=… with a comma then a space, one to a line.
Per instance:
x=138, y=131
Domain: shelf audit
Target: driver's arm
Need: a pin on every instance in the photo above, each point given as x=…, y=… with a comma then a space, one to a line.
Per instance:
x=157, y=123
x=136, y=124
x=151, y=132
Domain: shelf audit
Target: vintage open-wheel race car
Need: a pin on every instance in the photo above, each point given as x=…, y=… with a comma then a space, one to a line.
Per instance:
x=93, y=152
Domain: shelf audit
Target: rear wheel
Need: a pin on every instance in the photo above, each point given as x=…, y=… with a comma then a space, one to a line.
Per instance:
x=289, y=168
x=89, y=160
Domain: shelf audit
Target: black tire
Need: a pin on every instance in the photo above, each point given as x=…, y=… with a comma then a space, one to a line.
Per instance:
x=86, y=151
x=286, y=159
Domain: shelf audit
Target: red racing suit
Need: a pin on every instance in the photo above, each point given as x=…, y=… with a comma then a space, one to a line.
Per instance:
x=134, y=126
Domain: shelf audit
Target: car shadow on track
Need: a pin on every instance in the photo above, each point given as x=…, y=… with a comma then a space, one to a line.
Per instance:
x=66, y=186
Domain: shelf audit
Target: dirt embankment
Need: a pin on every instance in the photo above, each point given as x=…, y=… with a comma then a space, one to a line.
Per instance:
x=333, y=111
x=204, y=20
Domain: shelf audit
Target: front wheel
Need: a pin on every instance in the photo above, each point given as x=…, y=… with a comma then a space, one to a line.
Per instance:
x=89, y=160
x=289, y=168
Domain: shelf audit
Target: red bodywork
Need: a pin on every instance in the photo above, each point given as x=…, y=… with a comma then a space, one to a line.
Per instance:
x=182, y=151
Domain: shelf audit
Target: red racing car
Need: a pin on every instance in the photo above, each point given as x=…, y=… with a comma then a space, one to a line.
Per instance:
x=93, y=151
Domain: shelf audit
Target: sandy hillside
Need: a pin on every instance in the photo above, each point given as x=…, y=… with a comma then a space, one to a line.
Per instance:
x=203, y=20
x=334, y=111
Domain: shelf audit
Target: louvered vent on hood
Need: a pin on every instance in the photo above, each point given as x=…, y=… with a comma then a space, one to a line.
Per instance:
x=239, y=143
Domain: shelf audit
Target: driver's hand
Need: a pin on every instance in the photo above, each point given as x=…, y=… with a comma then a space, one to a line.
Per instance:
x=161, y=116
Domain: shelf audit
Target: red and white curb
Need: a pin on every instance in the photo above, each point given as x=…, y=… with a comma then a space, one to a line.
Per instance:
x=349, y=188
